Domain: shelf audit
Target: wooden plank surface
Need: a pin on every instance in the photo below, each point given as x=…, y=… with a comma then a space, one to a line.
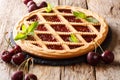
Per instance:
x=12, y=10
x=82, y=71
x=110, y=10
x=9, y=15
x=78, y=3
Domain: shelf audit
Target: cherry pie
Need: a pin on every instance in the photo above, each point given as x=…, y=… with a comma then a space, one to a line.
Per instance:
x=52, y=36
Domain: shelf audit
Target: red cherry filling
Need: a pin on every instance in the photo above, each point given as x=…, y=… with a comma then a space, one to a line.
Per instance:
x=72, y=19
x=30, y=38
x=41, y=28
x=65, y=37
x=56, y=47
x=81, y=28
x=61, y=28
x=33, y=18
x=97, y=27
x=47, y=37
x=74, y=46
x=52, y=18
x=36, y=44
x=64, y=10
x=89, y=38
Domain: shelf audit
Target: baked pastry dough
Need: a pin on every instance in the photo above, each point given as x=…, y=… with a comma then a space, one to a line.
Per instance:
x=52, y=36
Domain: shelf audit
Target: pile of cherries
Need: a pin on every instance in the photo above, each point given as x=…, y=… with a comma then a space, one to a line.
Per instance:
x=93, y=58
x=33, y=6
x=19, y=75
x=15, y=56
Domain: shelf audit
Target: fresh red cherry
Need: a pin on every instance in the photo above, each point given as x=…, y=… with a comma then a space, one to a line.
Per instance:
x=107, y=56
x=26, y=1
x=43, y=4
x=18, y=75
x=18, y=58
x=15, y=50
x=5, y=56
x=12, y=52
x=32, y=7
x=30, y=77
x=30, y=3
x=93, y=58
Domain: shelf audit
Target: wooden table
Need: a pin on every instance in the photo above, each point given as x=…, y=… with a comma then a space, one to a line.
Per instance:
x=12, y=10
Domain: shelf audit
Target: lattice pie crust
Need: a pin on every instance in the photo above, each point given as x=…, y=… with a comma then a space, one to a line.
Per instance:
x=51, y=38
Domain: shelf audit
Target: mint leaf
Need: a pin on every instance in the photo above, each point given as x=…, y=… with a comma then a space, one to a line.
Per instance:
x=92, y=19
x=48, y=8
x=31, y=33
x=32, y=27
x=83, y=16
x=20, y=36
x=79, y=14
x=26, y=31
x=24, y=28
x=73, y=38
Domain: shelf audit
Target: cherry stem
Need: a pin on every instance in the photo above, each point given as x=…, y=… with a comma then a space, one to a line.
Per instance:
x=99, y=46
x=32, y=61
x=95, y=47
x=25, y=64
x=21, y=65
x=8, y=41
x=26, y=67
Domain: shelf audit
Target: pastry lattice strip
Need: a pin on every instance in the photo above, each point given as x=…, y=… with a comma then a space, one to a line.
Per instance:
x=65, y=22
